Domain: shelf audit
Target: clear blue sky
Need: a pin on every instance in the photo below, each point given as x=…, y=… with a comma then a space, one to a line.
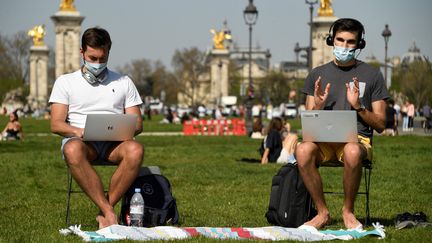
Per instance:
x=155, y=29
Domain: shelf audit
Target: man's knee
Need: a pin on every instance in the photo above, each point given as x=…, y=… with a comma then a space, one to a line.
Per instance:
x=73, y=151
x=353, y=154
x=134, y=151
x=305, y=152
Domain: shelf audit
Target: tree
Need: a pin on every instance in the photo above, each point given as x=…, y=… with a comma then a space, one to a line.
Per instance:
x=14, y=68
x=164, y=82
x=234, y=79
x=14, y=56
x=416, y=82
x=189, y=69
x=275, y=88
x=150, y=78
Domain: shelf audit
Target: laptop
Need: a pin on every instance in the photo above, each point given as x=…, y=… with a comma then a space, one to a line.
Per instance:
x=329, y=126
x=109, y=127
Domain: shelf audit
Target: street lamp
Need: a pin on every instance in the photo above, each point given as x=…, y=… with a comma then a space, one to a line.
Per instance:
x=311, y=8
x=297, y=51
x=250, y=15
x=386, y=34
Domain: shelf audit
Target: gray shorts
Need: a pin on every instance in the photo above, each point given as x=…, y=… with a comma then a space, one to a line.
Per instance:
x=101, y=148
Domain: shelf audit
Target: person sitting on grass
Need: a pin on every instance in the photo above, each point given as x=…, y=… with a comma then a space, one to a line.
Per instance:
x=13, y=129
x=91, y=90
x=279, y=143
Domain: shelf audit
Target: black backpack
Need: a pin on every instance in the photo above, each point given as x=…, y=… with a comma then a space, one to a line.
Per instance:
x=290, y=203
x=160, y=207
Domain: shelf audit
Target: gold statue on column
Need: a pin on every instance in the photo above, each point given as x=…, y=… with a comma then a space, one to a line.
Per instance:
x=67, y=5
x=325, y=8
x=219, y=38
x=37, y=33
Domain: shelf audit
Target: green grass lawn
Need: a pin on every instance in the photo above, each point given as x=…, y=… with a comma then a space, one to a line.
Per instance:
x=213, y=187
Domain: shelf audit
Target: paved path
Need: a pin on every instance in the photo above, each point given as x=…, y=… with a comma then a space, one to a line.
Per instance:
x=418, y=130
x=141, y=134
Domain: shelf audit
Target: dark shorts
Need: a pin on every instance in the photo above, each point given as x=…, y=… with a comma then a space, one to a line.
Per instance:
x=101, y=147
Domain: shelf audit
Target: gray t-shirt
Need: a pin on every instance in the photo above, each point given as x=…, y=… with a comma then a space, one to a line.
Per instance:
x=371, y=84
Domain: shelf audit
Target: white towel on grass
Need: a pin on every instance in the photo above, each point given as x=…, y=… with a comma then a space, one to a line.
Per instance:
x=275, y=233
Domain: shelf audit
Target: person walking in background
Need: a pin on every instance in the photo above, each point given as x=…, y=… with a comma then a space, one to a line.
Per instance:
x=397, y=108
x=91, y=90
x=411, y=115
x=345, y=83
x=404, y=112
x=391, y=119
x=427, y=116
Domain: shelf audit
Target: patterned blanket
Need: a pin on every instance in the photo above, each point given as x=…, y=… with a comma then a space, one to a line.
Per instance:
x=303, y=233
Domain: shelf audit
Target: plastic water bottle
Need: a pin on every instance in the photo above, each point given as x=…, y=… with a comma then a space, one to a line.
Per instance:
x=136, y=210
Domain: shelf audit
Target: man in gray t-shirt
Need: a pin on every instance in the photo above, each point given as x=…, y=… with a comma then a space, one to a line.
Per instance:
x=342, y=84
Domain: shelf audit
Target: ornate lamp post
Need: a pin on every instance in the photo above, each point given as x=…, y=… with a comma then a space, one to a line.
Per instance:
x=250, y=15
x=311, y=8
x=386, y=34
x=297, y=51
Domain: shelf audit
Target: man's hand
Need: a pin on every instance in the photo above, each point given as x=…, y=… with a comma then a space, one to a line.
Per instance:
x=79, y=132
x=353, y=93
x=320, y=96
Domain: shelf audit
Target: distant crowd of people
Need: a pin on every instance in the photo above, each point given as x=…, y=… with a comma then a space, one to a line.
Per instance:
x=405, y=114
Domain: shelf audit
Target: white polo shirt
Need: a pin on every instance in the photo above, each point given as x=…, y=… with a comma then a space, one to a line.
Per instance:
x=112, y=96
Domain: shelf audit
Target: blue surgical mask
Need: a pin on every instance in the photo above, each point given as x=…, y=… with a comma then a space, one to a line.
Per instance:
x=95, y=68
x=343, y=54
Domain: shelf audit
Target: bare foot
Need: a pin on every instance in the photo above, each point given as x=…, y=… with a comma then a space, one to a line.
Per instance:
x=100, y=218
x=105, y=221
x=319, y=221
x=350, y=220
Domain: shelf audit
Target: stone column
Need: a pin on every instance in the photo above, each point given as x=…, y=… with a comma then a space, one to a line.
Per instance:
x=68, y=33
x=323, y=53
x=218, y=75
x=38, y=97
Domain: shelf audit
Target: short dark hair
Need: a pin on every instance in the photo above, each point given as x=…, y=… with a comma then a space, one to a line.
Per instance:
x=96, y=37
x=348, y=24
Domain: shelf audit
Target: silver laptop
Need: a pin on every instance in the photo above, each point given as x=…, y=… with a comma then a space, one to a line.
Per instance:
x=109, y=127
x=329, y=126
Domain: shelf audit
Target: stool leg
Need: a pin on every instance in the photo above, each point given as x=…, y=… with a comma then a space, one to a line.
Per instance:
x=367, y=187
x=69, y=198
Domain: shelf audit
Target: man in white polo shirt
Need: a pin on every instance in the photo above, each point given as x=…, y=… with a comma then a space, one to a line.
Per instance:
x=91, y=90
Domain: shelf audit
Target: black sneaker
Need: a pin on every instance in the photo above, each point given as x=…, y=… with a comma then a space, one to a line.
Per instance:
x=404, y=220
x=420, y=220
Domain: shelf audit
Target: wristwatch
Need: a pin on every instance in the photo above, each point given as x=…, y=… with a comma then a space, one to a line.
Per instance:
x=360, y=109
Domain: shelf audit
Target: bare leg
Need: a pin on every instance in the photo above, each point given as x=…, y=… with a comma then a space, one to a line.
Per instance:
x=307, y=154
x=77, y=155
x=130, y=154
x=290, y=143
x=351, y=182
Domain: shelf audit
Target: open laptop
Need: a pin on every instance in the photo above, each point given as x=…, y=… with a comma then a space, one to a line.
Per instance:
x=109, y=127
x=329, y=126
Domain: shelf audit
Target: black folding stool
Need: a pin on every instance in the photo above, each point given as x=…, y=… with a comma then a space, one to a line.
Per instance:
x=367, y=170
x=71, y=190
